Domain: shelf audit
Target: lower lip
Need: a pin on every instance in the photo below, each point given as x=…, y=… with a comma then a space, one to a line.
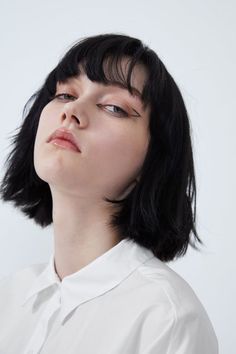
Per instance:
x=65, y=144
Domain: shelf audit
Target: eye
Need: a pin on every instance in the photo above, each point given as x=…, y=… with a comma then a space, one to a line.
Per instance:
x=117, y=110
x=63, y=94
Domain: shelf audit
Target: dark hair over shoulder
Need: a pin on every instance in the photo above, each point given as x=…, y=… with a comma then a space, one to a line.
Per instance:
x=160, y=212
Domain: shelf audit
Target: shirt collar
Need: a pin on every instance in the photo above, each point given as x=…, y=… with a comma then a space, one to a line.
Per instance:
x=96, y=278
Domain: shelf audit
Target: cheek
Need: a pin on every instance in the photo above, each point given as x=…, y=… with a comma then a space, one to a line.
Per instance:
x=45, y=128
x=122, y=156
x=46, y=125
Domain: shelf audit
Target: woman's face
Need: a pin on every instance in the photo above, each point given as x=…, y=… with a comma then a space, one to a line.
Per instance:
x=113, y=144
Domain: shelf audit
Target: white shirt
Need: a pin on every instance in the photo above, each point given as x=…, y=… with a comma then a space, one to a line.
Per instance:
x=126, y=301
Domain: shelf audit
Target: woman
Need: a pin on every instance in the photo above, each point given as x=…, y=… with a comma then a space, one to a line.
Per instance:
x=104, y=154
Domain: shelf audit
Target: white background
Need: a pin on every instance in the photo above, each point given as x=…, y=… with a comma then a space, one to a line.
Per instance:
x=196, y=42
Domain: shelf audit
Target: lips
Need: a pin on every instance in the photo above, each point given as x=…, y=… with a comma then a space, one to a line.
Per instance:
x=64, y=134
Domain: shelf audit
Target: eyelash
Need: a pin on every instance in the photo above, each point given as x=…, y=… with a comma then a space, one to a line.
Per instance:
x=124, y=113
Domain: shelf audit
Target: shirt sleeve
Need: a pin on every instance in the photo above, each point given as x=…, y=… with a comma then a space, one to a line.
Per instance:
x=191, y=333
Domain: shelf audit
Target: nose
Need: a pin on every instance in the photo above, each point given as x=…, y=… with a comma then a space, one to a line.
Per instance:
x=72, y=117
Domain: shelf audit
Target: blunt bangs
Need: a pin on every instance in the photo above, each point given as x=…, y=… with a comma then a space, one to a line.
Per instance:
x=101, y=60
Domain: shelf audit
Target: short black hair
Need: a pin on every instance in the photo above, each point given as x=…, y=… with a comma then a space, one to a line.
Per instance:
x=160, y=212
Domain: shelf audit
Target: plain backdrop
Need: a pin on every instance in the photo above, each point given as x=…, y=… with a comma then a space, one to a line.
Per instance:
x=196, y=42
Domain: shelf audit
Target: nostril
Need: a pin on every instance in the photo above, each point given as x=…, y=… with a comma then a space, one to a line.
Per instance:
x=77, y=120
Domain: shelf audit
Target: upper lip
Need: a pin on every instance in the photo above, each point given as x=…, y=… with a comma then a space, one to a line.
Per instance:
x=64, y=134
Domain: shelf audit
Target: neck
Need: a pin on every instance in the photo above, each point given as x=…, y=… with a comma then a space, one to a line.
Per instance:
x=81, y=233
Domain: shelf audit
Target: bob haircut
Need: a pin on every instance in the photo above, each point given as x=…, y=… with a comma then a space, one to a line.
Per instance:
x=157, y=213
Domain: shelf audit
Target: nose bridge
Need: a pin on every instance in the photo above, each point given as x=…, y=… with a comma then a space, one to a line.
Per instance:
x=75, y=111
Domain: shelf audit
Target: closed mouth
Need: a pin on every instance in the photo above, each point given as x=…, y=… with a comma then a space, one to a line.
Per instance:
x=64, y=135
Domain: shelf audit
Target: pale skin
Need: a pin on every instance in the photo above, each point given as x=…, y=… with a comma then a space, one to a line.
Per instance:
x=113, y=148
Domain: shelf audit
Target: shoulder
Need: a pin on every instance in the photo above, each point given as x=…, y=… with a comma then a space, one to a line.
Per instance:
x=191, y=329
x=22, y=273
x=19, y=281
x=175, y=289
